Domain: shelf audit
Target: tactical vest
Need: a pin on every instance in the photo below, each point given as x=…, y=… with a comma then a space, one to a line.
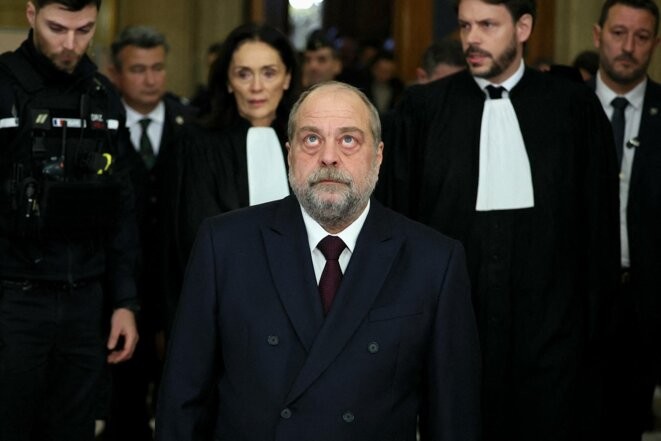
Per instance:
x=60, y=178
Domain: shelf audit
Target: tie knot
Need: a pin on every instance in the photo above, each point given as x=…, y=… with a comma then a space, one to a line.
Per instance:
x=495, y=92
x=331, y=247
x=619, y=103
x=144, y=123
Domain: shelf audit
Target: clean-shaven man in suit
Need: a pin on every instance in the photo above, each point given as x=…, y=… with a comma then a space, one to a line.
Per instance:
x=626, y=37
x=155, y=120
x=265, y=348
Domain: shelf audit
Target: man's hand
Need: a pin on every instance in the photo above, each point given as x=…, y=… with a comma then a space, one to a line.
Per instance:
x=122, y=324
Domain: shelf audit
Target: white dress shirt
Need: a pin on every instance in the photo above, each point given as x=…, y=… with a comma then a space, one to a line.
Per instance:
x=349, y=236
x=632, y=116
x=154, y=130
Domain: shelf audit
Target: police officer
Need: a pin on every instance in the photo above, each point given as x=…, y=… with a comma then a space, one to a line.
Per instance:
x=67, y=229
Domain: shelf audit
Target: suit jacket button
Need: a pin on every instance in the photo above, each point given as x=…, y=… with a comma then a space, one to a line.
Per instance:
x=286, y=413
x=273, y=340
x=373, y=347
x=348, y=417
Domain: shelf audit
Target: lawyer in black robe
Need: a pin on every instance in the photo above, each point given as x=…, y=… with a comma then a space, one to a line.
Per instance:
x=542, y=277
x=253, y=84
x=213, y=177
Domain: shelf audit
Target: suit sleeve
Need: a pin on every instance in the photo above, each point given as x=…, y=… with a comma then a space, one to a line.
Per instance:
x=451, y=410
x=122, y=243
x=601, y=195
x=186, y=401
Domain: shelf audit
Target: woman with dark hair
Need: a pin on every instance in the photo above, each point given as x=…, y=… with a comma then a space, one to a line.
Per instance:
x=226, y=106
x=235, y=156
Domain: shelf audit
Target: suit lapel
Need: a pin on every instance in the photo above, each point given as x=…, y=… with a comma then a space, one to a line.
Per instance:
x=175, y=116
x=289, y=258
x=647, y=133
x=166, y=136
x=370, y=263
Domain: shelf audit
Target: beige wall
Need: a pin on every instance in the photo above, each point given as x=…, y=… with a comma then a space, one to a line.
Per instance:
x=573, y=34
x=214, y=20
x=12, y=13
x=190, y=26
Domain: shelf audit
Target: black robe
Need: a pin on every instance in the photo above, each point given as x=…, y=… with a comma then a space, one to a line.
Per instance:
x=210, y=178
x=542, y=277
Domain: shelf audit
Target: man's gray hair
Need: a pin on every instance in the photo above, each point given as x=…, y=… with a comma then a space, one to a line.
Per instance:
x=375, y=122
x=144, y=37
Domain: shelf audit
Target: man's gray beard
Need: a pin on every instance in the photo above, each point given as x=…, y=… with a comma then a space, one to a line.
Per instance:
x=335, y=214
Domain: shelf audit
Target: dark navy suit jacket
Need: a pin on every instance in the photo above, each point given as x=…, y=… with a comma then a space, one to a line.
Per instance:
x=644, y=216
x=252, y=351
x=152, y=189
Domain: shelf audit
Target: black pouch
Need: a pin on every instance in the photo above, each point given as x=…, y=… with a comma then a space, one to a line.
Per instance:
x=79, y=208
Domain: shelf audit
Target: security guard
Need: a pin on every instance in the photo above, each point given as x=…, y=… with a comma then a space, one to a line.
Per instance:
x=67, y=228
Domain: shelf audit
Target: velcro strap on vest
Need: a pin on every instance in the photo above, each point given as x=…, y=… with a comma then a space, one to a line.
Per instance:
x=8, y=123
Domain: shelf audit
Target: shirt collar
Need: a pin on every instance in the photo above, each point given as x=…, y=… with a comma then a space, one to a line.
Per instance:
x=349, y=235
x=635, y=96
x=157, y=115
x=508, y=84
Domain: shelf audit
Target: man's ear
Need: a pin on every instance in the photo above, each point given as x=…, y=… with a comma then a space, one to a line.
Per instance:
x=379, y=155
x=657, y=41
x=524, y=28
x=31, y=13
x=421, y=74
x=113, y=74
x=289, y=153
x=596, y=35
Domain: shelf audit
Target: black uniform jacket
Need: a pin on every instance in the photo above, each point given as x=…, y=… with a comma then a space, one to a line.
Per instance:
x=68, y=256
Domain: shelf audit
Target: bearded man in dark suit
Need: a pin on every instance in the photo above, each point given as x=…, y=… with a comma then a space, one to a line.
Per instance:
x=262, y=348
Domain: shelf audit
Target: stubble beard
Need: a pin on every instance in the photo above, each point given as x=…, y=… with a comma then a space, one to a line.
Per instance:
x=500, y=64
x=624, y=78
x=54, y=58
x=346, y=203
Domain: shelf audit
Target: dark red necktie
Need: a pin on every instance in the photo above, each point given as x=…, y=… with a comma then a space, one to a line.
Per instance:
x=331, y=247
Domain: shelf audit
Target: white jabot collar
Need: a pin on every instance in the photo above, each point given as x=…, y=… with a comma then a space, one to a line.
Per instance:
x=267, y=175
x=505, y=179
